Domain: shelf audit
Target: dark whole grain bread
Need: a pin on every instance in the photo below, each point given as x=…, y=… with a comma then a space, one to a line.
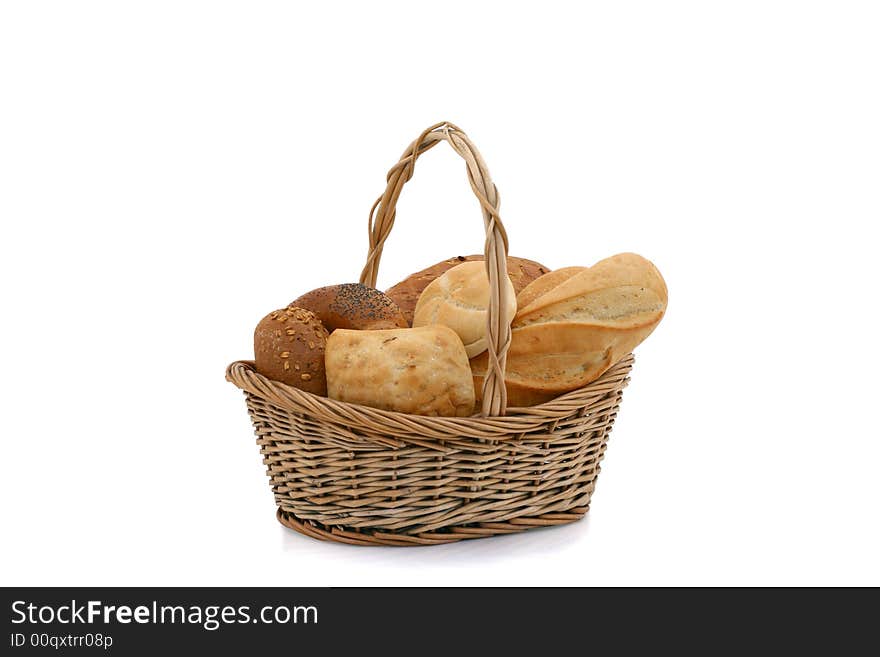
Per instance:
x=352, y=306
x=289, y=347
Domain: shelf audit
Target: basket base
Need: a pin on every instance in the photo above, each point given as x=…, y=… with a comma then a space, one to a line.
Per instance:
x=448, y=535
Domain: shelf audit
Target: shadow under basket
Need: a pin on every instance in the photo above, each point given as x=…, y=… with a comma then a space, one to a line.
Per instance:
x=364, y=476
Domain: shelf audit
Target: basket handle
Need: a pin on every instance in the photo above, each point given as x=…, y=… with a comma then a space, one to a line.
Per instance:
x=382, y=216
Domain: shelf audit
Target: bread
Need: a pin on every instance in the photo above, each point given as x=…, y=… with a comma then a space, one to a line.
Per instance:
x=544, y=283
x=352, y=306
x=407, y=292
x=459, y=299
x=422, y=371
x=289, y=347
x=573, y=332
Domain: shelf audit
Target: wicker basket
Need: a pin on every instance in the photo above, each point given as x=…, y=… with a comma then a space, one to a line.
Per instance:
x=365, y=476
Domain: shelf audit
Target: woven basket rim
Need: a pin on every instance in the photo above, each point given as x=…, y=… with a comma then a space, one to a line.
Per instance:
x=243, y=375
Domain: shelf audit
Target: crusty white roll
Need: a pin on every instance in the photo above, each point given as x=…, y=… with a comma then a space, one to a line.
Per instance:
x=407, y=292
x=459, y=299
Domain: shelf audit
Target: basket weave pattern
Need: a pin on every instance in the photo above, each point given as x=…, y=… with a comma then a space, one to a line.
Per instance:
x=368, y=476
x=346, y=474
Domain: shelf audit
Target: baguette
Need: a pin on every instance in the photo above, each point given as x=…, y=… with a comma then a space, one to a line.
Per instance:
x=545, y=283
x=573, y=332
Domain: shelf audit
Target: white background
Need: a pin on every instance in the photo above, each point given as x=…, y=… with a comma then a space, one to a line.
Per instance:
x=171, y=171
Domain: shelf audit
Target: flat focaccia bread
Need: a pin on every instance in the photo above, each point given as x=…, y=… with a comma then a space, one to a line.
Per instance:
x=422, y=371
